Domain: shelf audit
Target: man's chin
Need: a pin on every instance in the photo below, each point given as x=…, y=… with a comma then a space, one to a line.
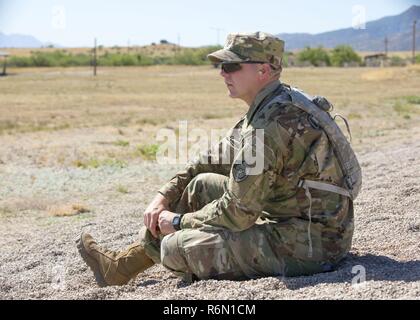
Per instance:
x=232, y=94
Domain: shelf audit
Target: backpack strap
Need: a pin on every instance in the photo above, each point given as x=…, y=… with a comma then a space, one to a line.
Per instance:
x=323, y=186
x=315, y=184
x=306, y=184
x=345, y=155
x=309, y=196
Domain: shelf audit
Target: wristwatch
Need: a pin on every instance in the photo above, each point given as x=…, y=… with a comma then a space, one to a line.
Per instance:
x=176, y=222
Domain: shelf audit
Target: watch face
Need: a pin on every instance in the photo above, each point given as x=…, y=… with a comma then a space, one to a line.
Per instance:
x=176, y=222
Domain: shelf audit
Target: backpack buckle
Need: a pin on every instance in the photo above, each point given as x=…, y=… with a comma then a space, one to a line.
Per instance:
x=349, y=182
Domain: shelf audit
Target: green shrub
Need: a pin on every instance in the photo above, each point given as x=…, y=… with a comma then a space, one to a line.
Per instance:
x=122, y=189
x=20, y=61
x=397, y=61
x=96, y=163
x=315, y=56
x=286, y=58
x=58, y=58
x=61, y=58
x=342, y=55
x=413, y=99
x=148, y=152
x=122, y=143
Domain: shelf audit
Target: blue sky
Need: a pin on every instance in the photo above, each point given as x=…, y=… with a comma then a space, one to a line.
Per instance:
x=75, y=23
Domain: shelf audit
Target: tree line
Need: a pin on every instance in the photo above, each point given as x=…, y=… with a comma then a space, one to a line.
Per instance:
x=340, y=56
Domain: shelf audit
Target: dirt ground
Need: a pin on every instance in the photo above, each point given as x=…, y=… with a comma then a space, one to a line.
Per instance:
x=73, y=159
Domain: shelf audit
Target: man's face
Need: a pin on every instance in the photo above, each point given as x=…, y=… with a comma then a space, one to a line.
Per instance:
x=242, y=83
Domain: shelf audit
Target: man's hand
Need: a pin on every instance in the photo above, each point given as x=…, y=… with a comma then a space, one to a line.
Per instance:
x=165, y=222
x=151, y=215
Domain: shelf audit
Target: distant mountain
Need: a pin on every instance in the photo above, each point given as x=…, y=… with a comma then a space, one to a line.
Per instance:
x=398, y=30
x=19, y=41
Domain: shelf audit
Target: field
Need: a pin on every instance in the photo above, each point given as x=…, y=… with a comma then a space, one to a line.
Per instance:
x=76, y=152
x=158, y=49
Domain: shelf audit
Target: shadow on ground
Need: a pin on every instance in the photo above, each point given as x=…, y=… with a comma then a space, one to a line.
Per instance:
x=374, y=267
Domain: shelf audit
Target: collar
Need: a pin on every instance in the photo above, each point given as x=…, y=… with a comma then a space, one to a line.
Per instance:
x=260, y=97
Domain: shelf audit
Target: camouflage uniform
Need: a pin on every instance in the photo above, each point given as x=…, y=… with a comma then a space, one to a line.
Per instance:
x=238, y=223
x=237, y=226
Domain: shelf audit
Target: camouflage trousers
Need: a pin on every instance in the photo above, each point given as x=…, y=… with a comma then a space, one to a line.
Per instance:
x=218, y=253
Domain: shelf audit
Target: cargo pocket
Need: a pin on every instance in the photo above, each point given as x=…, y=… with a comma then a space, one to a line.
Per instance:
x=302, y=247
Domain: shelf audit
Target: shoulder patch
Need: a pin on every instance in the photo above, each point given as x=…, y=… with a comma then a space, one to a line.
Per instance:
x=239, y=172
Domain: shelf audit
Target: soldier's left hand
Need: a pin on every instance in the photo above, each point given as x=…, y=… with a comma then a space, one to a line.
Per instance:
x=165, y=222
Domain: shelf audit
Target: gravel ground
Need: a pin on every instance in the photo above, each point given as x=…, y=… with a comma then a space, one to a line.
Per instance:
x=39, y=260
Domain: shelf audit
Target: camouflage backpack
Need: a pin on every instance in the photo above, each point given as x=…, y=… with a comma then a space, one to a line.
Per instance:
x=319, y=109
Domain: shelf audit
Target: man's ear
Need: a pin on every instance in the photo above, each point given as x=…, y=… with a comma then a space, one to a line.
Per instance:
x=264, y=71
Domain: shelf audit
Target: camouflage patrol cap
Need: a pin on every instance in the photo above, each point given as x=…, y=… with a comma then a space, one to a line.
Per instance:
x=256, y=46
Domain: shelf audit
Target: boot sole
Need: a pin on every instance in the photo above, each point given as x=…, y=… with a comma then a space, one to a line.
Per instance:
x=92, y=263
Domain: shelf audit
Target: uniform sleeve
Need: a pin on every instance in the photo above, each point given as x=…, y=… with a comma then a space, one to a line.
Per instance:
x=248, y=189
x=217, y=160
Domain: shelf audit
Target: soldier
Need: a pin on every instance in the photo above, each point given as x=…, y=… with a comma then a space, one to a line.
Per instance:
x=212, y=220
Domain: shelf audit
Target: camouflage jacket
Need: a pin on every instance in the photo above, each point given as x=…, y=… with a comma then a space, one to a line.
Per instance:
x=293, y=149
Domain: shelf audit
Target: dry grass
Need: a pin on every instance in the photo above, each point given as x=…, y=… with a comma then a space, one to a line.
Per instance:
x=379, y=74
x=67, y=210
x=13, y=205
x=66, y=116
x=159, y=49
x=51, y=99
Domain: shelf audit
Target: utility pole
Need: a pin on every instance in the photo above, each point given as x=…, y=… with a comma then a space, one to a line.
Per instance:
x=386, y=47
x=414, y=41
x=94, y=58
x=218, y=34
x=4, y=55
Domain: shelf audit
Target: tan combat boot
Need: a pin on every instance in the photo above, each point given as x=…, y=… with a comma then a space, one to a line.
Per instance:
x=110, y=267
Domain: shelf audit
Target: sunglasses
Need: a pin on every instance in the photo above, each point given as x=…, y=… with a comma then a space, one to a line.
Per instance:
x=230, y=67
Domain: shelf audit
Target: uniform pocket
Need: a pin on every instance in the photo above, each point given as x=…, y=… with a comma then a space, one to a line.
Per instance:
x=295, y=237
